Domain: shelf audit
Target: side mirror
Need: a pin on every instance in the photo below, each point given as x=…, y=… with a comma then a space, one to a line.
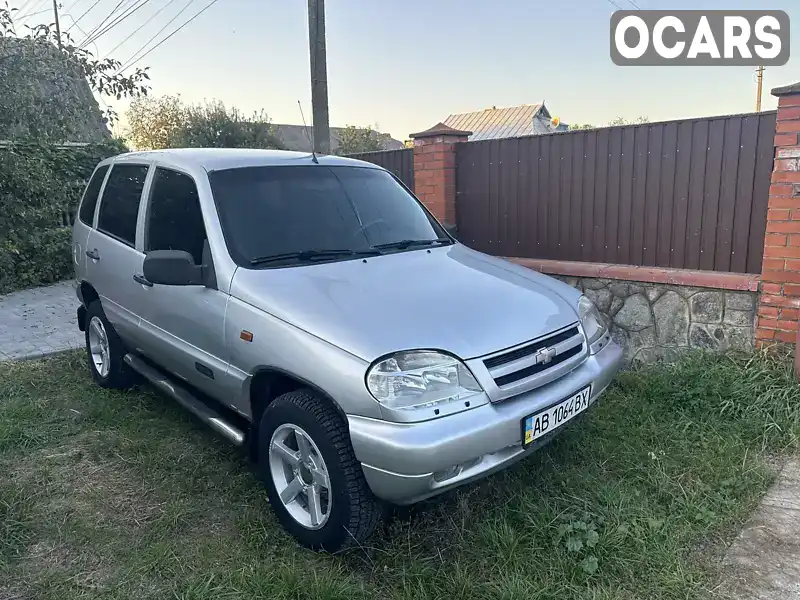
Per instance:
x=172, y=267
x=451, y=228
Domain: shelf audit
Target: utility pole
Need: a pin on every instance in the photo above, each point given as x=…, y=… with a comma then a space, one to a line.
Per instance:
x=760, y=79
x=319, y=76
x=58, y=25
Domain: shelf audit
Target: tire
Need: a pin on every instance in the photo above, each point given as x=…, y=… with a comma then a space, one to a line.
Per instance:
x=353, y=512
x=118, y=376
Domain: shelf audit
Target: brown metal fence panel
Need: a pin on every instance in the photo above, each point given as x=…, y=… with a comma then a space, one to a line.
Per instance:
x=400, y=162
x=685, y=194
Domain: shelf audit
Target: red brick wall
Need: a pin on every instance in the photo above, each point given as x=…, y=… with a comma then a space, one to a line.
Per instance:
x=779, y=299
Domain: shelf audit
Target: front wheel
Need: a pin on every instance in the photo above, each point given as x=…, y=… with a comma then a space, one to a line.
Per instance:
x=314, y=482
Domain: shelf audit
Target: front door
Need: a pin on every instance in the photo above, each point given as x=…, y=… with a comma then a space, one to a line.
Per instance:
x=183, y=326
x=112, y=257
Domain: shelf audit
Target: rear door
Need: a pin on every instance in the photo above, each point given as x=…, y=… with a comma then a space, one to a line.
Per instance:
x=183, y=326
x=113, y=249
x=85, y=220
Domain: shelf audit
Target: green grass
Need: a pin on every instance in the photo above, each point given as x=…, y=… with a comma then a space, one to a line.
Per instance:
x=123, y=495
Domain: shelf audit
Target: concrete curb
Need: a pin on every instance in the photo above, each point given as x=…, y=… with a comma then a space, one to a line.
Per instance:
x=37, y=355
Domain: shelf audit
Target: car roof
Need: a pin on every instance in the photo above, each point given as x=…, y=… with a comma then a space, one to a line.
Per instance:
x=215, y=159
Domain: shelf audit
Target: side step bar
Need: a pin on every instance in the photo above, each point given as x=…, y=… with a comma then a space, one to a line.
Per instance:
x=185, y=399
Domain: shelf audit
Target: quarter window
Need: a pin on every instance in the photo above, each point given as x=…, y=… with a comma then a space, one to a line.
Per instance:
x=175, y=221
x=91, y=194
x=119, y=207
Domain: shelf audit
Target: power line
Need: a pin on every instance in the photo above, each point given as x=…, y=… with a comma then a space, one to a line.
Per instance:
x=135, y=54
x=615, y=4
x=34, y=7
x=94, y=29
x=78, y=27
x=197, y=14
x=71, y=6
x=33, y=14
x=25, y=5
x=96, y=35
x=135, y=31
x=96, y=2
x=636, y=6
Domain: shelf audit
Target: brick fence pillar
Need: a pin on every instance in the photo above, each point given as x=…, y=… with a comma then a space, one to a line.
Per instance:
x=435, y=169
x=779, y=297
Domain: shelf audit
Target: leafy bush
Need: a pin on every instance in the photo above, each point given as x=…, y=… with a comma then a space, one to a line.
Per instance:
x=38, y=183
x=46, y=98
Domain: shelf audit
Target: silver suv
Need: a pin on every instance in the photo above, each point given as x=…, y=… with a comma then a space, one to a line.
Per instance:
x=312, y=310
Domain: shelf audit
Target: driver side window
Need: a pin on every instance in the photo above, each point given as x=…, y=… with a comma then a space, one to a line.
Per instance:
x=175, y=221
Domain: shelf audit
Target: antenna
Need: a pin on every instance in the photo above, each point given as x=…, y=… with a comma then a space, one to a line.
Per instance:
x=308, y=137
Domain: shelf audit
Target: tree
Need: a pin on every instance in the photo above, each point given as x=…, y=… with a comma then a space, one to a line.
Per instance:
x=624, y=121
x=46, y=90
x=153, y=123
x=354, y=140
x=47, y=96
x=613, y=123
x=167, y=122
x=212, y=125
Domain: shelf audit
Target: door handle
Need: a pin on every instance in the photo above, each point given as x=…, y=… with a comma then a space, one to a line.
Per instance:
x=93, y=254
x=141, y=279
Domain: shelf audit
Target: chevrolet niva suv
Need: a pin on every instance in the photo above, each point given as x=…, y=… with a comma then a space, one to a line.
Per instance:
x=312, y=309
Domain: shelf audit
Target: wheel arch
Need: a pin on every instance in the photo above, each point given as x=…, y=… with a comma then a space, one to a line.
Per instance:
x=86, y=294
x=268, y=383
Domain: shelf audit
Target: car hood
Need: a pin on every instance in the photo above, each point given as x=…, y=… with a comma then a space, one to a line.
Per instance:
x=450, y=298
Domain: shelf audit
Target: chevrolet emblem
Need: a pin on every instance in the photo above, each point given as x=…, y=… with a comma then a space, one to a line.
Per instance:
x=545, y=355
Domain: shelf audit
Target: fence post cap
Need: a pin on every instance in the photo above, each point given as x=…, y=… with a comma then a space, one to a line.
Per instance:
x=786, y=90
x=440, y=130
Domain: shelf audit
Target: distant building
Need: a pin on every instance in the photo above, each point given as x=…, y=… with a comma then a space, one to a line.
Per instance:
x=515, y=121
x=296, y=137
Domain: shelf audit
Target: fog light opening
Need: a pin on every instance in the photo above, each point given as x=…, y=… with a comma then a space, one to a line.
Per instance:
x=441, y=476
x=471, y=463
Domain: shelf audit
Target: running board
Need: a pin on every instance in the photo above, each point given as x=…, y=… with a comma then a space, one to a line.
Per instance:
x=185, y=398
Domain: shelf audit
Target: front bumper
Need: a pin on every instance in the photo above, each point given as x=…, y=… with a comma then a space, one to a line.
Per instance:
x=408, y=462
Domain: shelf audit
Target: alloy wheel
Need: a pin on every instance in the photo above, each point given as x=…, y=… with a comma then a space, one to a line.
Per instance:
x=300, y=476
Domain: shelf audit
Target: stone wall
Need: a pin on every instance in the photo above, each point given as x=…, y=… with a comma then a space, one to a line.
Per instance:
x=656, y=321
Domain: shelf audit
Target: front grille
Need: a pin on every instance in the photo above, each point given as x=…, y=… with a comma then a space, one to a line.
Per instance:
x=523, y=363
x=508, y=357
x=533, y=369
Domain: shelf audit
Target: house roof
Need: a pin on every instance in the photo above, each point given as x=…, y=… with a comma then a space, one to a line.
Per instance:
x=296, y=137
x=493, y=123
x=39, y=68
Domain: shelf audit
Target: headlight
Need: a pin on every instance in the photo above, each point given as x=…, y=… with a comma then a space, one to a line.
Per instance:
x=594, y=323
x=420, y=378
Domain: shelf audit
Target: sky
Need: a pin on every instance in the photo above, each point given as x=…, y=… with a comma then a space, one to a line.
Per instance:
x=405, y=65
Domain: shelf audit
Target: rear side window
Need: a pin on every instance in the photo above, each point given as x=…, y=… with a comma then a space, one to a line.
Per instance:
x=175, y=221
x=120, y=205
x=91, y=194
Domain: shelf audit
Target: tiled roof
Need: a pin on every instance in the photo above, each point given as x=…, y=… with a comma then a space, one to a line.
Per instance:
x=493, y=123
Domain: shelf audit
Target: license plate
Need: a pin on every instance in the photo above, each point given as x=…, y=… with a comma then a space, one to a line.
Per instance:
x=550, y=419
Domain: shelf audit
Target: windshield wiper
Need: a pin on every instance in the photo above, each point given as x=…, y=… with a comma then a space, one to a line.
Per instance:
x=312, y=255
x=403, y=244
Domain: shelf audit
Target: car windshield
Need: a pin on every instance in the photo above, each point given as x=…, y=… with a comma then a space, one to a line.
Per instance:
x=278, y=215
